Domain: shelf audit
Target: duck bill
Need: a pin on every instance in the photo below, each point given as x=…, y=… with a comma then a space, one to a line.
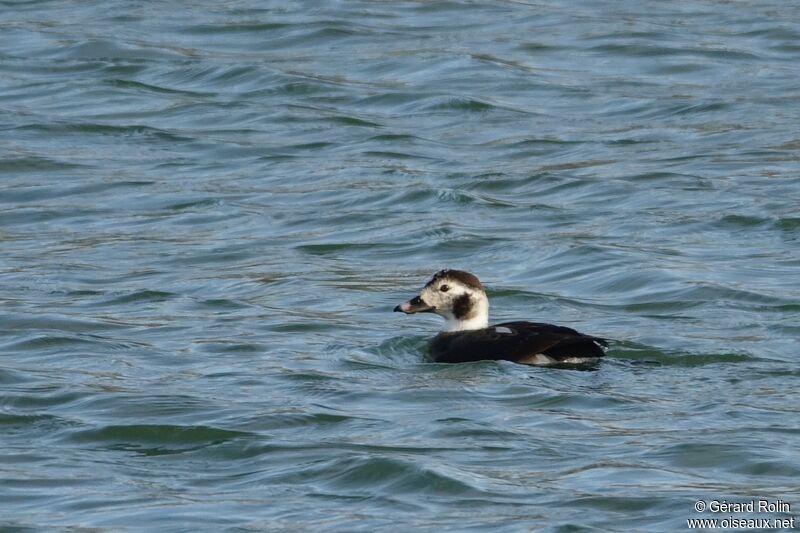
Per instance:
x=414, y=305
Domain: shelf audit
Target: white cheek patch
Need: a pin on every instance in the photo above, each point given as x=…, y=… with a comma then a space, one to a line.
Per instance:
x=503, y=329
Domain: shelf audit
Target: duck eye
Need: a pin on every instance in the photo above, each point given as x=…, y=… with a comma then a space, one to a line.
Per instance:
x=444, y=288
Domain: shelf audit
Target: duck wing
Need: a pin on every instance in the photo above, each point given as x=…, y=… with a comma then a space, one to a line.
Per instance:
x=515, y=341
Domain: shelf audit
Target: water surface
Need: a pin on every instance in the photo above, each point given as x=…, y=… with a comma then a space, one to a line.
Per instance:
x=208, y=212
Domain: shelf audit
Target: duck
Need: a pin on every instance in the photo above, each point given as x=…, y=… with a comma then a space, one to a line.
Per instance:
x=459, y=298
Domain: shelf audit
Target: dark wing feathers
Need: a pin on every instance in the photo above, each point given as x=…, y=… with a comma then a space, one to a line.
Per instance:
x=513, y=341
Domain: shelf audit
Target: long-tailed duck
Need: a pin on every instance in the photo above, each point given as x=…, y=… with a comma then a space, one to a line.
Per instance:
x=459, y=298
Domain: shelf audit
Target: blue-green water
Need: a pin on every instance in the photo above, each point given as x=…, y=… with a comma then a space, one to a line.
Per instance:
x=208, y=211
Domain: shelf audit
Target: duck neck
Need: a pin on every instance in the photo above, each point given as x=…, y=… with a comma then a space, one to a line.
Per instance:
x=476, y=318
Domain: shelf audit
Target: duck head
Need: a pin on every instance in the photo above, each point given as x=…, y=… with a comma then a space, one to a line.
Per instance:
x=456, y=296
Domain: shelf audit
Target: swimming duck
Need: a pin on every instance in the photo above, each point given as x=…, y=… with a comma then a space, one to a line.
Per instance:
x=460, y=299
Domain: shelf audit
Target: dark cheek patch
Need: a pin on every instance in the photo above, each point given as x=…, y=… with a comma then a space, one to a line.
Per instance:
x=462, y=306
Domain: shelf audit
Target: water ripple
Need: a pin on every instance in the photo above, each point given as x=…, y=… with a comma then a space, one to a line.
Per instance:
x=205, y=222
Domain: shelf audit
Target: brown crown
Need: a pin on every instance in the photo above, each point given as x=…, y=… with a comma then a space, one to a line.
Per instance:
x=459, y=275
